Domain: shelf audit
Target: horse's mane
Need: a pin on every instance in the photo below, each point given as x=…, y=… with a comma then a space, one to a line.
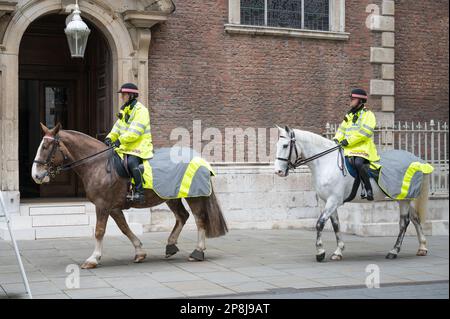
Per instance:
x=313, y=138
x=82, y=135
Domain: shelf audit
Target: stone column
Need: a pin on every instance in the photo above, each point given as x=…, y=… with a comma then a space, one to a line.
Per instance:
x=384, y=56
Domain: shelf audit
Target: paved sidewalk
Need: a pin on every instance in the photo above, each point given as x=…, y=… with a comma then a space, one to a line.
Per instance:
x=243, y=263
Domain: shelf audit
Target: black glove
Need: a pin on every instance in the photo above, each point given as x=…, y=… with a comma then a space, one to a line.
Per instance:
x=344, y=142
x=108, y=142
x=116, y=143
x=336, y=141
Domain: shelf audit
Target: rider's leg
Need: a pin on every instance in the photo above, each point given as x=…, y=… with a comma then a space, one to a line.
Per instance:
x=362, y=165
x=133, y=167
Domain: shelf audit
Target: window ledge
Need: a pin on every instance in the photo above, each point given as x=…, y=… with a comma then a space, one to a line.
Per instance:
x=298, y=33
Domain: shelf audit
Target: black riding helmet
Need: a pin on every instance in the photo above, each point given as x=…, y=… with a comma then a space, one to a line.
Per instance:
x=133, y=91
x=360, y=94
x=129, y=88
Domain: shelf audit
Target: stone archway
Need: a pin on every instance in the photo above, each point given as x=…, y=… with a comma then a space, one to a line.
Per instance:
x=126, y=26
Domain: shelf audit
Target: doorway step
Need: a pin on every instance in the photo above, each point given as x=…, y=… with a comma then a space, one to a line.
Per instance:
x=63, y=218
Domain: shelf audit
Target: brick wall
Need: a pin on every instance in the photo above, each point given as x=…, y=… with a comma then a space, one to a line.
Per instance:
x=197, y=71
x=421, y=60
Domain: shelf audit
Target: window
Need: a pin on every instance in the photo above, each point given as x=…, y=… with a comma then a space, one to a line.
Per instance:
x=297, y=14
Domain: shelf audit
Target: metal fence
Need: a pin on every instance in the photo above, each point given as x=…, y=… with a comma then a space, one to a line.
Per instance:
x=427, y=140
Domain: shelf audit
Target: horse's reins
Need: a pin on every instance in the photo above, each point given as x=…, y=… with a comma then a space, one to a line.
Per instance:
x=301, y=161
x=52, y=170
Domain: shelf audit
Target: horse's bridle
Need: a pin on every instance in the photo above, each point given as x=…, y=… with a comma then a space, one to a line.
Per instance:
x=300, y=160
x=51, y=169
x=292, y=146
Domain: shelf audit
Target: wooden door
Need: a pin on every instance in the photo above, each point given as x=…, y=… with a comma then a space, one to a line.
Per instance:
x=53, y=88
x=57, y=106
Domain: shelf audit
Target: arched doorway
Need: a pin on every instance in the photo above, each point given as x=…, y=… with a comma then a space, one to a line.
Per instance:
x=53, y=88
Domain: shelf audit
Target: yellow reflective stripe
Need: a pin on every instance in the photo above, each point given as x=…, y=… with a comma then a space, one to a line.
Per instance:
x=367, y=127
x=142, y=126
x=365, y=133
x=192, y=168
x=188, y=176
x=122, y=127
x=135, y=131
x=409, y=174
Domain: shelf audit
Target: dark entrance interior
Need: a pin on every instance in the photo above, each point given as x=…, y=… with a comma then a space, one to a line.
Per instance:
x=53, y=88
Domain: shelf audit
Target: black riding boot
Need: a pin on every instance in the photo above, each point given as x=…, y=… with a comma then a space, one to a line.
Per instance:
x=133, y=166
x=362, y=165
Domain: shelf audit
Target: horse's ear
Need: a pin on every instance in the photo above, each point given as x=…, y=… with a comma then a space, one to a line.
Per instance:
x=44, y=129
x=56, y=129
x=279, y=128
x=287, y=129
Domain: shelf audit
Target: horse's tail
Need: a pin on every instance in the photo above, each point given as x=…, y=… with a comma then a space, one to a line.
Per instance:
x=420, y=203
x=215, y=225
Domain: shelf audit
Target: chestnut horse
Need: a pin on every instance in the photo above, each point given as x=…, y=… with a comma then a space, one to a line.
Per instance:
x=107, y=191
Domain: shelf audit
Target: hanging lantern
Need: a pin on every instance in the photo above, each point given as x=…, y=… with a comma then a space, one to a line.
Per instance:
x=77, y=33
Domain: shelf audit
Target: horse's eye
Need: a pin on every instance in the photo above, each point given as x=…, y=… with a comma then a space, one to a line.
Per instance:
x=285, y=146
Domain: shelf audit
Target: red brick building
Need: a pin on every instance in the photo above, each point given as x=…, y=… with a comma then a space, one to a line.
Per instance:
x=199, y=70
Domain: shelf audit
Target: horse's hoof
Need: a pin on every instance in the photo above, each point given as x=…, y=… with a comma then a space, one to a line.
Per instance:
x=171, y=250
x=320, y=257
x=336, y=257
x=391, y=256
x=197, y=255
x=88, y=265
x=139, y=258
x=422, y=252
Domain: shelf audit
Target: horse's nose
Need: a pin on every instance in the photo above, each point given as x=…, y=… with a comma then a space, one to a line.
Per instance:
x=279, y=172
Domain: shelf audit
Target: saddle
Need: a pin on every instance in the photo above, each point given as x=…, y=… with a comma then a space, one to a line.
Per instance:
x=121, y=167
x=373, y=173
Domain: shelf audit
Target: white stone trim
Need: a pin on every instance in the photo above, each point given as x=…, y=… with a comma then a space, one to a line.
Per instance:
x=387, y=71
x=381, y=87
x=298, y=33
x=388, y=39
x=384, y=22
x=234, y=11
x=388, y=8
x=382, y=55
x=337, y=15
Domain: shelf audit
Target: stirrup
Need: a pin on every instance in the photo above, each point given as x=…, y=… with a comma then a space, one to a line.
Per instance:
x=135, y=197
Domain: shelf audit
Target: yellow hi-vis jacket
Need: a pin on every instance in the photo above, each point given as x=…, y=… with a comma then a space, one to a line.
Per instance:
x=359, y=135
x=134, y=135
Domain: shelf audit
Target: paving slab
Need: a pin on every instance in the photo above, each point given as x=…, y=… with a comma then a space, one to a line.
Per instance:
x=244, y=262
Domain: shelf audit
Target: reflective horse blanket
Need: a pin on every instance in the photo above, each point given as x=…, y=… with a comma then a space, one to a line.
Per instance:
x=178, y=172
x=401, y=174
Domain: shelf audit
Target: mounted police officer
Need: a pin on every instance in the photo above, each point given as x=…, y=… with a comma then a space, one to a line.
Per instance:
x=131, y=135
x=355, y=135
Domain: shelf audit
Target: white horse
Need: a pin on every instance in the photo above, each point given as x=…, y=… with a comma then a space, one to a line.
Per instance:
x=333, y=187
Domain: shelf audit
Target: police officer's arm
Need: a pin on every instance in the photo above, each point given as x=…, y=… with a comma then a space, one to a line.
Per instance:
x=339, y=136
x=137, y=126
x=114, y=134
x=365, y=130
